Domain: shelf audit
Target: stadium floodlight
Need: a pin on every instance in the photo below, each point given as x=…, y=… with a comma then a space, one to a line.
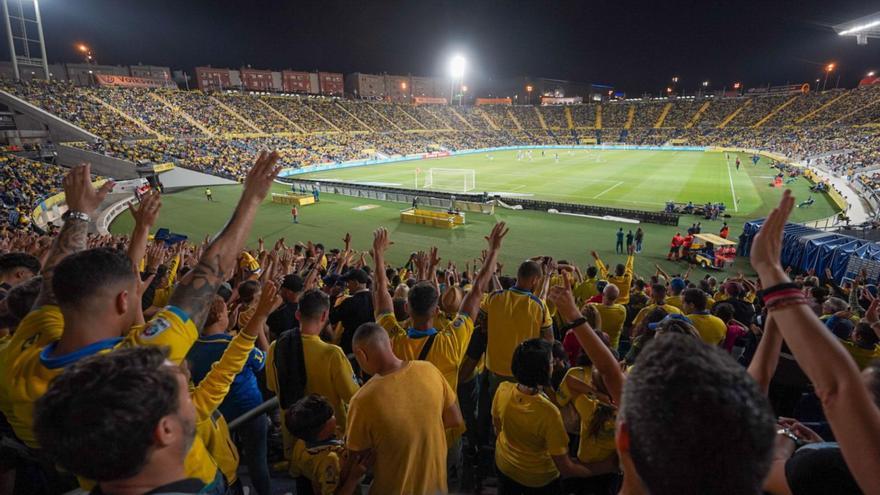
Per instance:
x=871, y=74
x=862, y=28
x=456, y=67
x=705, y=84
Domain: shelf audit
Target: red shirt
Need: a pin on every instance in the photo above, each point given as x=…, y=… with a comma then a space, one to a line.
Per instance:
x=677, y=240
x=294, y=211
x=725, y=232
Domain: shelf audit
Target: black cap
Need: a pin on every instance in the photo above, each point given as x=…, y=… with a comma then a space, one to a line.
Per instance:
x=293, y=282
x=357, y=275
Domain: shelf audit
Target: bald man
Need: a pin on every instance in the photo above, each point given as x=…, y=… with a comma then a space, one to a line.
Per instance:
x=401, y=415
x=613, y=314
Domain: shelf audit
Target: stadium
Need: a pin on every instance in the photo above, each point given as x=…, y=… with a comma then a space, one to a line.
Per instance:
x=639, y=225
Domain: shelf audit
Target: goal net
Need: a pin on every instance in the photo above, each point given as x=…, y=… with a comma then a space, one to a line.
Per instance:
x=450, y=179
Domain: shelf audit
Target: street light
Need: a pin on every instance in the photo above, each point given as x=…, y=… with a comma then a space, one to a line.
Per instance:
x=529, y=89
x=86, y=51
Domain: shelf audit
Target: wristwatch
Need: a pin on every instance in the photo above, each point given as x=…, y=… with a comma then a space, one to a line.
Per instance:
x=76, y=215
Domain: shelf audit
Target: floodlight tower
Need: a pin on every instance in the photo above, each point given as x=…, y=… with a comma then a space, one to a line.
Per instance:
x=23, y=22
x=456, y=71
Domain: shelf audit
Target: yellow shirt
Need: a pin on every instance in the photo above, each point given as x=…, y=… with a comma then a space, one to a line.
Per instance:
x=320, y=463
x=400, y=417
x=40, y=327
x=585, y=290
x=602, y=446
x=35, y=367
x=30, y=372
x=613, y=317
x=623, y=282
x=207, y=397
x=711, y=328
x=862, y=356
x=676, y=301
x=530, y=431
x=564, y=394
x=643, y=313
x=446, y=352
x=328, y=373
x=513, y=316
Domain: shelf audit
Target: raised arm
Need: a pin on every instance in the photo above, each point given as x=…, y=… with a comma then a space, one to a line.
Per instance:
x=471, y=304
x=847, y=403
x=382, y=302
x=82, y=201
x=603, y=270
x=196, y=290
x=766, y=358
x=598, y=352
x=144, y=218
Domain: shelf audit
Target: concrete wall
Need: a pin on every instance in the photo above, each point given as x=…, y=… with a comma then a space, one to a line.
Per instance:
x=106, y=166
x=59, y=129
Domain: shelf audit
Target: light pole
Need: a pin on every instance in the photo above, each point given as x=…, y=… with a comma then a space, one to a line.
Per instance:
x=828, y=69
x=456, y=71
x=463, y=91
x=529, y=89
x=87, y=53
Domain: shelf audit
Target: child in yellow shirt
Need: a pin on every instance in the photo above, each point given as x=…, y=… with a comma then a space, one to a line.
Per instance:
x=318, y=455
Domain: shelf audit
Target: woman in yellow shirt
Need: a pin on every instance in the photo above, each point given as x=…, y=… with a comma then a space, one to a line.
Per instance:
x=531, y=451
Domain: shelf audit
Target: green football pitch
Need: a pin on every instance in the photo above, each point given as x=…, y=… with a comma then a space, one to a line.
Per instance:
x=622, y=179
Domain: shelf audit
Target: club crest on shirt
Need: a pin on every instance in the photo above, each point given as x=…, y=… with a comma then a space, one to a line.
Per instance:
x=457, y=323
x=156, y=327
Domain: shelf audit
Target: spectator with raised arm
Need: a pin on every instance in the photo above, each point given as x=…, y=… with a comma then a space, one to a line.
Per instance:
x=846, y=401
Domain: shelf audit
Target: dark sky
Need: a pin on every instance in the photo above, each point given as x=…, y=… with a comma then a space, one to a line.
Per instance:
x=636, y=46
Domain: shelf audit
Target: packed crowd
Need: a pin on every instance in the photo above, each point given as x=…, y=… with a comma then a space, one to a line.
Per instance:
x=318, y=130
x=23, y=184
x=133, y=367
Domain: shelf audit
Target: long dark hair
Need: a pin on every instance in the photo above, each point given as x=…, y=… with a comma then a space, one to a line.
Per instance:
x=604, y=412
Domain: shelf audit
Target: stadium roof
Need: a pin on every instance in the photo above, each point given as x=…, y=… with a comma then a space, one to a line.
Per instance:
x=862, y=28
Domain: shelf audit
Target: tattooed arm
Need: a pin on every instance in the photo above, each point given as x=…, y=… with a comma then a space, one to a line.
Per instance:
x=196, y=290
x=81, y=197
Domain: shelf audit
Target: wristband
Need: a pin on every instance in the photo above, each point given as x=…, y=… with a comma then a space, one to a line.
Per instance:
x=781, y=294
x=574, y=324
x=778, y=287
x=788, y=301
x=76, y=215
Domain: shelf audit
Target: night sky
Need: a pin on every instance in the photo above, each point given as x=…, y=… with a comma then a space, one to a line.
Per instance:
x=635, y=46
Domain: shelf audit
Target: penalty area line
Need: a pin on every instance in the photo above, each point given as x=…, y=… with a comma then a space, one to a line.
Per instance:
x=607, y=190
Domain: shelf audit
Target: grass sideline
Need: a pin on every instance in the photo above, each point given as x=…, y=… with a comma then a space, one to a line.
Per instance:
x=531, y=232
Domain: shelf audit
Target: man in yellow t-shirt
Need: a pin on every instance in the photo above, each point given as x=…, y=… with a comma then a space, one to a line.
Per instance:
x=513, y=316
x=613, y=315
x=587, y=289
x=407, y=440
x=712, y=329
x=99, y=296
x=658, y=300
x=157, y=419
x=676, y=287
x=447, y=343
x=300, y=363
x=622, y=276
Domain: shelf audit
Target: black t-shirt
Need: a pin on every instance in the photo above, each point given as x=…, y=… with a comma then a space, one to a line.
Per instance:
x=819, y=471
x=352, y=313
x=283, y=318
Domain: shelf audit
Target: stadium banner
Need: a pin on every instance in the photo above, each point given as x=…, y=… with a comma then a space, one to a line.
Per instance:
x=553, y=100
x=493, y=101
x=435, y=154
x=133, y=82
x=428, y=100
x=163, y=167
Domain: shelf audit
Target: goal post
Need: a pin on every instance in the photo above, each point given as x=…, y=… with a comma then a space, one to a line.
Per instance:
x=450, y=179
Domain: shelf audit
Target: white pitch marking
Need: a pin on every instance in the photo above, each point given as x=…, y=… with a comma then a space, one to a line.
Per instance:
x=732, y=191
x=606, y=190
